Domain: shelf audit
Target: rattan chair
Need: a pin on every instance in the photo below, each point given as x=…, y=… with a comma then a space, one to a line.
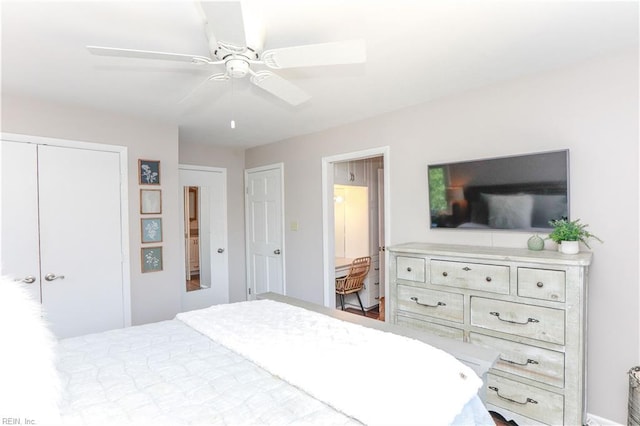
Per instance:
x=354, y=281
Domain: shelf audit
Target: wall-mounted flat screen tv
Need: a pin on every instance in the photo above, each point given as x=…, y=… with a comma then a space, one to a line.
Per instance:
x=520, y=192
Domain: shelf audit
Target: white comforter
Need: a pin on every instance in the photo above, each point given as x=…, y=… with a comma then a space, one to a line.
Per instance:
x=406, y=382
x=167, y=373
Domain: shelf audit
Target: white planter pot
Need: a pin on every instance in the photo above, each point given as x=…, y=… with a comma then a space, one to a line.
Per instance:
x=570, y=247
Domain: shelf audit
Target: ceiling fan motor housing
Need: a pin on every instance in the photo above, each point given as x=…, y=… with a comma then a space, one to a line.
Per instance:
x=237, y=67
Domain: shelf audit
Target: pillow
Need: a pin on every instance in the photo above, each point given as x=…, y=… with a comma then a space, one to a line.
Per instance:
x=30, y=387
x=547, y=207
x=509, y=211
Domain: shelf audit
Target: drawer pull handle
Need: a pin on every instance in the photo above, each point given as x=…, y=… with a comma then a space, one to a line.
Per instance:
x=415, y=299
x=528, y=401
x=497, y=314
x=540, y=284
x=444, y=274
x=488, y=279
x=408, y=268
x=527, y=362
x=52, y=277
x=466, y=268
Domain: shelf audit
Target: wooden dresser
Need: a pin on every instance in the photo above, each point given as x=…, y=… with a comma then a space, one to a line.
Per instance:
x=528, y=305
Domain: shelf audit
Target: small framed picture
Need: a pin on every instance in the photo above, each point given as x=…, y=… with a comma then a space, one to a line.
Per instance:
x=150, y=201
x=151, y=259
x=149, y=171
x=151, y=229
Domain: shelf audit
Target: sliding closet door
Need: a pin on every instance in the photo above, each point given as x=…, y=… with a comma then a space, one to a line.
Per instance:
x=19, y=228
x=80, y=239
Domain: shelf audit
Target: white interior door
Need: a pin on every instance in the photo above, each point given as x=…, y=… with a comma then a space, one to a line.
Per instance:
x=204, y=227
x=63, y=228
x=19, y=228
x=80, y=239
x=264, y=230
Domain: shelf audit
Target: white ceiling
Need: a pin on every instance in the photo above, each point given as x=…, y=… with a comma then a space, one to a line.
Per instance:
x=416, y=51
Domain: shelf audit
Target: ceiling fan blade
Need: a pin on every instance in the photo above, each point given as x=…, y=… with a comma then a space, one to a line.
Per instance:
x=147, y=54
x=216, y=77
x=279, y=87
x=336, y=53
x=226, y=24
x=211, y=38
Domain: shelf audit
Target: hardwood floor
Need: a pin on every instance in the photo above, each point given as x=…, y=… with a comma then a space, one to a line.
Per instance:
x=193, y=283
x=372, y=313
x=500, y=421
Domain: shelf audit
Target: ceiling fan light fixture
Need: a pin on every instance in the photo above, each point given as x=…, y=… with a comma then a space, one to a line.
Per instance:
x=237, y=68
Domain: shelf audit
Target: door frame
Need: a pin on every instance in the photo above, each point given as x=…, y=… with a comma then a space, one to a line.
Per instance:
x=328, y=220
x=122, y=152
x=224, y=236
x=247, y=242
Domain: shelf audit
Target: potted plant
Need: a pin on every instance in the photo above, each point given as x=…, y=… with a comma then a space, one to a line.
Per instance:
x=569, y=233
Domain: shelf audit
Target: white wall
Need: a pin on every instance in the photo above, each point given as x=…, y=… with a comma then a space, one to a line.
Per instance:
x=233, y=161
x=154, y=296
x=591, y=109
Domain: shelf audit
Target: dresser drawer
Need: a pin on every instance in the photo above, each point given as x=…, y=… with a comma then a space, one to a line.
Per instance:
x=529, y=401
x=535, y=322
x=477, y=276
x=436, y=304
x=542, y=284
x=411, y=268
x=534, y=363
x=437, y=329
x=372, y=284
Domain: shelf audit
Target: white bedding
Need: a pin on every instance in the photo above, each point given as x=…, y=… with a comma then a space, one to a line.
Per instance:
x=315, y=352
x=168, y=373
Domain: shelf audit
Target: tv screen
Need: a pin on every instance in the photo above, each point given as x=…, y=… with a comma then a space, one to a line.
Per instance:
x=521, y=192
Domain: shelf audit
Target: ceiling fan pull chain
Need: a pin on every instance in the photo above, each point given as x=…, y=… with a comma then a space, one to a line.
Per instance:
x=233, y=121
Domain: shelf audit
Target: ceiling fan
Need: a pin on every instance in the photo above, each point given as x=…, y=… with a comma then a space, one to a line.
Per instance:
x=224, y=28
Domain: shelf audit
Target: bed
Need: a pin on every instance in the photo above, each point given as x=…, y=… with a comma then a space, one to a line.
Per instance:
x=273, y=361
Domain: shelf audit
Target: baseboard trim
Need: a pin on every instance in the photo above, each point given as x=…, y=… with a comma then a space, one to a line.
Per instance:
x=593, y=420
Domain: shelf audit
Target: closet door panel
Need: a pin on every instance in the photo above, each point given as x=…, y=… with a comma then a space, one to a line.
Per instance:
x=19, y=228
x=80, y=239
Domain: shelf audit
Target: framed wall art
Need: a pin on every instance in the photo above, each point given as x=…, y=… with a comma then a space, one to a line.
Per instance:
x=149, y=172
x=151, y=259
x=150, y=201
x=151, y=230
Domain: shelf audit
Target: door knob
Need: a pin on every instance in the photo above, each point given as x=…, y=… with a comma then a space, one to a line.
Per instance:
x=276, y=251
x=51, y=277
x=220, y=250
x=27, y=280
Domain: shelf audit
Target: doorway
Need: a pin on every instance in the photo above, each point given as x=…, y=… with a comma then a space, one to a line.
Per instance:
x=204, y=230
x=346, y=178
x=264, y=206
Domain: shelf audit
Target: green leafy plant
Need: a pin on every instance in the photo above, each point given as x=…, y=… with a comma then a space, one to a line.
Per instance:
x=570, y=230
